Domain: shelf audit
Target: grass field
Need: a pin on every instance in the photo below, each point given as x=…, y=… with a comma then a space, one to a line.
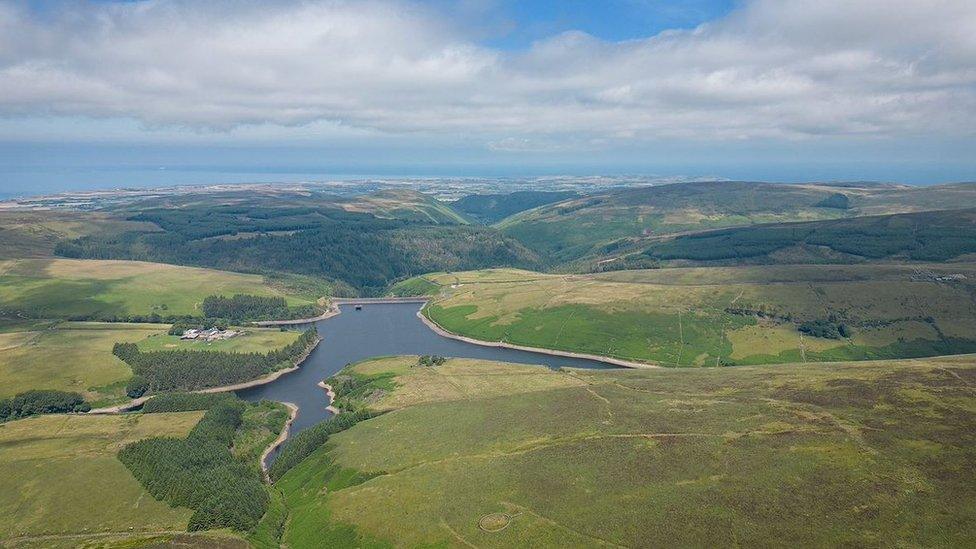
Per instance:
x=715, y=316
x=61, y=477
x=64, y=288
x=254, y=340
x=870, y=454
x=73, y=356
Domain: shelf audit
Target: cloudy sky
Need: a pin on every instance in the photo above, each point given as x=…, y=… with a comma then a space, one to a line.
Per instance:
x=754, y=89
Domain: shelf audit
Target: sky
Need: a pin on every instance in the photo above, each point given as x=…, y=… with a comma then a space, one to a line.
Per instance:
x=135, y=93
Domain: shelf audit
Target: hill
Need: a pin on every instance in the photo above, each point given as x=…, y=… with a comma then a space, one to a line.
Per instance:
x=923, y=236
x=87, y=289
x=715, y=316
x=825, y=455
x=491, y=208
x=348, y=242
x=603, y=223
x=35, y=233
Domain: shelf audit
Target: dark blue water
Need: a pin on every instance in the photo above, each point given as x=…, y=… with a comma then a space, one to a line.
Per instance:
x=379, y=330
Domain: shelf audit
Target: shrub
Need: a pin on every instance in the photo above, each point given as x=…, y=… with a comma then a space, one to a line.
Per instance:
x=136, y=387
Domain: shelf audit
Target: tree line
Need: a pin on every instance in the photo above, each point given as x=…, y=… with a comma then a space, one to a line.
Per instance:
x=183, y=369
x=42, y=401
x=244, y=307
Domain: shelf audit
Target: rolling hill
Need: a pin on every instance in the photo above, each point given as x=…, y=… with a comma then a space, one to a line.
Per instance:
x=600, y=224
x=521, y=456
x=719, y=316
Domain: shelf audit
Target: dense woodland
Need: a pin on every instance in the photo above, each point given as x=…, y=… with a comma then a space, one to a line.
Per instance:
x=360, y=250
x=925, y=236
x=201, y=473
x=36, y=402
x=241, y=307
x=183, y=370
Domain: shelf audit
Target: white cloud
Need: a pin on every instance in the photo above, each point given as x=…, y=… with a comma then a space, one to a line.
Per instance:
x=771, y=69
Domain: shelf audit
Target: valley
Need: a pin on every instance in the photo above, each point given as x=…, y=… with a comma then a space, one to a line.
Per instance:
x=783, y=343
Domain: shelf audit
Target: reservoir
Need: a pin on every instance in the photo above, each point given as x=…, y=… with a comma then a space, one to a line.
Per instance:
x=379, y=330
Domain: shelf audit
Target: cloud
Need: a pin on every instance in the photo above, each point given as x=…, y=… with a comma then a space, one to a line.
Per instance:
x=771, y=69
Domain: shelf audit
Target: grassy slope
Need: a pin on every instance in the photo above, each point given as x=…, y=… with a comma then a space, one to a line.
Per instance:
x=574, y=228
x=681, y=316
x=930, y=236
x=61, y=475
x=73, y=356
x=872, y=454
x=405, y=204
x=59, y=288
x=254, y=340
x=26, y=233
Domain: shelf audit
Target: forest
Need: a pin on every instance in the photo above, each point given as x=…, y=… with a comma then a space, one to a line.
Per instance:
x=924, y=236
x=363, y=251
x=183, y=370
x=242, y=307
x=201, y=473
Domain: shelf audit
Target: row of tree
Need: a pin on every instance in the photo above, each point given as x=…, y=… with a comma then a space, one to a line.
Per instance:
x=244, y=307
x=182, y=369
x=304, y=443
x=36, y=402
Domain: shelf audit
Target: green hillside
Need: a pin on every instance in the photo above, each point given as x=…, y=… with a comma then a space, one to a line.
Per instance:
x=481, y=454
x=491, y=208
x=720, y=316
x=923, y=236
x=602, y=224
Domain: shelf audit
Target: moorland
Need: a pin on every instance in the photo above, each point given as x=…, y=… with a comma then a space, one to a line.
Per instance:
x=817, y=388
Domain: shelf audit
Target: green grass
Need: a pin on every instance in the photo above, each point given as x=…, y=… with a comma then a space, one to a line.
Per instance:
x=709, y=316
x=73, y=356
x=870, y=454
x=257, y=340
x=61, y=476
x=65, y=288
x=416, y=286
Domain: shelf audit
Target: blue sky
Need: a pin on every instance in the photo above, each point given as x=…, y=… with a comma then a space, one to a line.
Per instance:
x=170, y=91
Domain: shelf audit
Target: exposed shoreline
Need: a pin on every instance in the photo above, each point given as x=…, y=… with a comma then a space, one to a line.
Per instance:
x=282, y=437
x=554, y=352
x=329, y=392
x=273, y=376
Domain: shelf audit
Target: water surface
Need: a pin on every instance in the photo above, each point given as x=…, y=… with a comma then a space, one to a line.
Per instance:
x=379, y=330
